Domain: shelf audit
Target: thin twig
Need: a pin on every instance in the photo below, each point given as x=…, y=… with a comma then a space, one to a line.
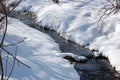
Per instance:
x=10, y=10
x=6, y=65
x=15, y=44
x=13, y=64
x=5, y=31
x=14, y=57
x=2, y=69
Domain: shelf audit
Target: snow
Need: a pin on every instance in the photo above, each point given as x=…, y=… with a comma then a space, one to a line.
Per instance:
x=76, y=57
x=78, y=21
x=38, y=51
x=75, y=22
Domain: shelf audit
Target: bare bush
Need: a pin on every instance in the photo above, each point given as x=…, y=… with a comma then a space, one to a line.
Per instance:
x=4, y=13
x=112, y=7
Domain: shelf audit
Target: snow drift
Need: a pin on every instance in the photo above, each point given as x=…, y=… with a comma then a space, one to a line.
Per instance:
x=38, y=51
x=77, y=21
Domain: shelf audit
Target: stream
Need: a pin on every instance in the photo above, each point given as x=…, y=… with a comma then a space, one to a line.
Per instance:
x=93, y=69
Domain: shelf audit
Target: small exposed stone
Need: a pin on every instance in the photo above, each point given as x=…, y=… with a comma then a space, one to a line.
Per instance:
x=80, y=59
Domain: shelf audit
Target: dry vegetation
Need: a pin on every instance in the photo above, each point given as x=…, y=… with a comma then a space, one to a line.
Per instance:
x=4, y=13
x=112, y=7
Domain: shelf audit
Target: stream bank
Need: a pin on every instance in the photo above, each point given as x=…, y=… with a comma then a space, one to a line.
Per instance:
x=93, y=69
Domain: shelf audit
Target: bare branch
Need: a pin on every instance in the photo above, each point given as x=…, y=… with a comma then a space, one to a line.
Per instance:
x=13, y=64
x=14, y=57
x=2, y=69
x=15, y=44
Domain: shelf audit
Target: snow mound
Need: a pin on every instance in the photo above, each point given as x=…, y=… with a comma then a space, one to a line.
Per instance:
x=39, y=52
x=77, y=21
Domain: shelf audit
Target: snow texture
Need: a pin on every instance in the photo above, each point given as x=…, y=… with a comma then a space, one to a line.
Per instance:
x=38, y=51
x=76, y=20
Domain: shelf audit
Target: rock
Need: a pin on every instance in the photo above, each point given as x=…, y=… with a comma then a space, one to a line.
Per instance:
x=70, y=58
x=101, y=57
x=55, y=1
x=80, y=59
x=98, y=55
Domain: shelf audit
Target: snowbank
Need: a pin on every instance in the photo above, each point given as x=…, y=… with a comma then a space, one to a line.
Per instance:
x=109, y=45
x=39, y=52
x=77, y=21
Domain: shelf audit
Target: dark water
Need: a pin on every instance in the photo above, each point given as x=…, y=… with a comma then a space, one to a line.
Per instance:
x=93, y=69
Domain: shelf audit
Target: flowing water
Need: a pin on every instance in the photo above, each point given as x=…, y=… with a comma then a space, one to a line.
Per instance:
x=93, y=69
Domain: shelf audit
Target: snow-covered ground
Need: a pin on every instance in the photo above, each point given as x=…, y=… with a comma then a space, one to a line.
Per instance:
x=76, y=20
x=38, y=51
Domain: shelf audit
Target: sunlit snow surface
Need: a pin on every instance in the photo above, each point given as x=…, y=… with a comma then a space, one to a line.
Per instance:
x=77, y=20
x=39, y=52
